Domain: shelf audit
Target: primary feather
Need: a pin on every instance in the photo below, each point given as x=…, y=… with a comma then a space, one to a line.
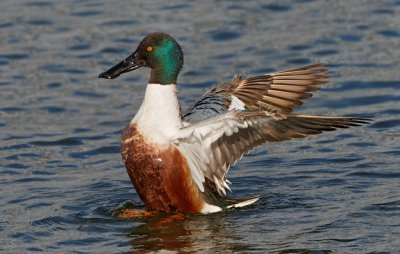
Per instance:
x=280, y=91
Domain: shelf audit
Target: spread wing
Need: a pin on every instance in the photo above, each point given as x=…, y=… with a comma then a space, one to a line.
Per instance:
x=280, y=92
x=212, y=145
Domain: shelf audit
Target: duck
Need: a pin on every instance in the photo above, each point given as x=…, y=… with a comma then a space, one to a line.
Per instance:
x=178, y=160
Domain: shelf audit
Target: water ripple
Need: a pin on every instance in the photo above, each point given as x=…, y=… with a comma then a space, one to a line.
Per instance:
x=224, y=35
x=39, y=22
x=59, y=68
x=277, y=7
x=386, y=124
x=386, y=206
x=15, y=56
x=73, y=141
x=95, y=152
x=375, y=174
x=86, y=13
x=389, y=33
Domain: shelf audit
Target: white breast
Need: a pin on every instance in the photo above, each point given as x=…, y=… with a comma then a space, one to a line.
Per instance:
x=158, y=118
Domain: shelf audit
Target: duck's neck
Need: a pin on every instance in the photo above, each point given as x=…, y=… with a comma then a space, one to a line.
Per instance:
x=166, y=74
x=159, y=117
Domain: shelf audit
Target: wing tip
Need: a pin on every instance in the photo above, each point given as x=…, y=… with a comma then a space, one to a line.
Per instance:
x=244, y=202
x=328, y=123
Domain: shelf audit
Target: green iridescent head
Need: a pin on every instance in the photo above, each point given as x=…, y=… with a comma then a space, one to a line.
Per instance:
x=158, y=51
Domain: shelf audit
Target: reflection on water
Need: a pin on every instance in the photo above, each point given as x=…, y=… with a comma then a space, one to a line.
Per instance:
x=189, y=235
x=61, y=173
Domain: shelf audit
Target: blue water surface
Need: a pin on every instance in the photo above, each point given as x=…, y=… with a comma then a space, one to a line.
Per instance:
x=61, y=173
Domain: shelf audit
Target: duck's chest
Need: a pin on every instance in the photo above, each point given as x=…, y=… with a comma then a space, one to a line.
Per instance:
x=145, y=168
x=160, y=175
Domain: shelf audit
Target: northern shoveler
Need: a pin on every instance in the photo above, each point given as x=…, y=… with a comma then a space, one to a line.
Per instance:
x=178, y=161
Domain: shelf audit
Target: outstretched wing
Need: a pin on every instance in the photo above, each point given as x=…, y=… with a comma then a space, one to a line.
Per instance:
x=212, y=145
x=280, y=92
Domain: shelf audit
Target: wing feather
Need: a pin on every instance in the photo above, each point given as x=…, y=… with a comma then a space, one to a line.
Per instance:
x=222, y=140
x=280, y=91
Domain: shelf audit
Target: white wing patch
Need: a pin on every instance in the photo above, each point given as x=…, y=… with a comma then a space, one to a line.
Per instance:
x=236, y=103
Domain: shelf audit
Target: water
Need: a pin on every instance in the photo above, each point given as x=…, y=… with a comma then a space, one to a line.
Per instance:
x=61, y=174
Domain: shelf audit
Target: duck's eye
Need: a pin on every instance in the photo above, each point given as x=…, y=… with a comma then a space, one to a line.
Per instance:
x=149, y=49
